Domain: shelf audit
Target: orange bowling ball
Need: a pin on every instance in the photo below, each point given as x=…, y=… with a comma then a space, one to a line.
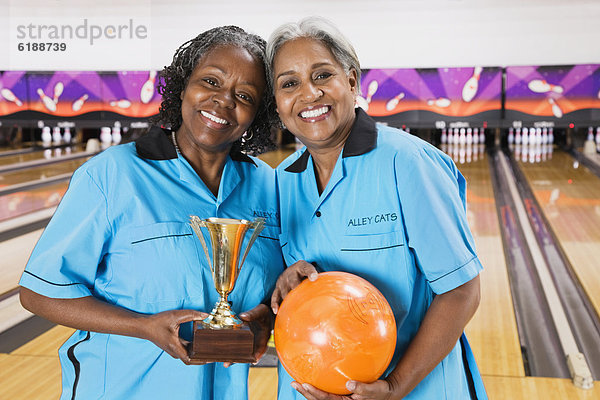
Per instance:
x=335, y=329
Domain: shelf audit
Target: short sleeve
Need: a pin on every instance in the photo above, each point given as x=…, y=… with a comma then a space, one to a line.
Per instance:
x=64, y=262
x=432, y=195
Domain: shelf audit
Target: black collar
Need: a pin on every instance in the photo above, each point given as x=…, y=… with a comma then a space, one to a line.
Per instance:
x=156, y=144
x=361, y=140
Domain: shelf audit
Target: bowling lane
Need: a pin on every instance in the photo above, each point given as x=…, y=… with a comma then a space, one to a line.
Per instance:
x=39, y=173
x=492, y=332
x=39, y=155
x=21, y=203
x=569, y=195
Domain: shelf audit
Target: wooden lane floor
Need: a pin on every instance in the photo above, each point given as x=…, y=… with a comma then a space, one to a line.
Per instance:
x=492, y=332
x=40, y=155
x=41, y=172
x=21, y=203
x=569, y=195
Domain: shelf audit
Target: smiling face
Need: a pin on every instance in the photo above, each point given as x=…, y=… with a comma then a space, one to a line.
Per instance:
x=220, y=99
x=315, y=96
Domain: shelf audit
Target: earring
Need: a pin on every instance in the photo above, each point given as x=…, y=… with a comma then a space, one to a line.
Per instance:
x=246, y=136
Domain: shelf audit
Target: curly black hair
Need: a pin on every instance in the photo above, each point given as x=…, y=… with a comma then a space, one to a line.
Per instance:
x=174, y=78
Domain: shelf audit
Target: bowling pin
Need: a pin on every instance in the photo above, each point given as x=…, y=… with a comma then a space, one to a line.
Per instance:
x=476, y=135
x=461, y=154
x=56, y=136
x=538, y=136
x=482, y=136
x=456, y=136
x=441, y=102
x=116, y=135
x=362, y=103
x=371, y=89
x=390, y=105
x=105, y=136
x=518, y=136
x=123, y=103
x=555, y=108
x=541, y=86
x=525, y=137
x=469, y=153
x=444, y=137
x=46, y=136
x=511, y=136
x=47, y=101
x=67, y=135
x=147, y=90
x=10, y=96
x=77, y=104
x=58, y=89
x=462, y=138
x=545, y=136
x=598, y=139
x=469, y=138
x=551, y=135
x=470, y=89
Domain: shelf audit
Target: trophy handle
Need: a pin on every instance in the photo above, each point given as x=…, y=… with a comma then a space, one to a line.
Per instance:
x=258, y=225
x=196, y=224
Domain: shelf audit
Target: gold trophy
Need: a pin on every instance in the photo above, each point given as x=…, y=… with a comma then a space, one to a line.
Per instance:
x=222, y=336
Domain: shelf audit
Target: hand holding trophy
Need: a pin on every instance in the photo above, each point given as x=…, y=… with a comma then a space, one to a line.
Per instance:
x=222, y=336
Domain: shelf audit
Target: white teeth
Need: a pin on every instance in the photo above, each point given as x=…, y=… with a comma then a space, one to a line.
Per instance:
x=214, y=118
x=314, y=113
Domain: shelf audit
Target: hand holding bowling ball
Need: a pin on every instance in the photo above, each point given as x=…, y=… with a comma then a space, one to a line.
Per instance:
x=291, y=277
x=336, y=328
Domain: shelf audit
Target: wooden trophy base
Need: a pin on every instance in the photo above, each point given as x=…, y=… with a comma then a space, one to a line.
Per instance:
x=221, y=345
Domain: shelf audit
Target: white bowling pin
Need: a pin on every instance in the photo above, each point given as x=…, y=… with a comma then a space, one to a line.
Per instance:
x=538, y=136
x=147, y=90
x=390, y=105
x=470, y=89
x=362, y=103
x=482, y=136
x=116, y=135
x=371, y=89
x=545, y=136
x=511, y=136
x=56, y=136
x=525, y=138
x=551, y=135
x=441, y=102
x=476, y=135
x=58, y=89
x=67, y=135
x=444, y=137
x=105, y=136
x=123, y=103
x=598, y=135
x=518, y=136
x=77, y=104
x=10, y=96
x=469, y=154
x=47, y=101
x=469, y=138
x=541, y=86
x=462, y=139
x=456, y=136
x=555, y=108
x=46, y=135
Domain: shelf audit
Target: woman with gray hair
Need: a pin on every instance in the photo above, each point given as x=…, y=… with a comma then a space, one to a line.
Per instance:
x=371, y=200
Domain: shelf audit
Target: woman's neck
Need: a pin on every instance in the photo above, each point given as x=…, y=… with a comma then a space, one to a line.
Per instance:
x=324, y=160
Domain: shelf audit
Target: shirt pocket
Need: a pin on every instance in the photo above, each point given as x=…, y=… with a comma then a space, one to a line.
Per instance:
x=371, y=243
x=165, y=264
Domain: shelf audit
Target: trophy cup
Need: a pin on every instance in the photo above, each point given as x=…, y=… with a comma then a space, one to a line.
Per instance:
x=222, y=336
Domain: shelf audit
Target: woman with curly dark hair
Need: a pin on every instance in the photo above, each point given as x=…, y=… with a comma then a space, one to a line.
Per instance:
x=119, y=261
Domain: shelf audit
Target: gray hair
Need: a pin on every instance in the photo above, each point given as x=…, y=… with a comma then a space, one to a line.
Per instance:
x=320, y=29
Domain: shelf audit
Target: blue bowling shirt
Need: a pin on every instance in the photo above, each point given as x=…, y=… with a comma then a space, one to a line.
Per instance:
x=121, y=234
x=393, y=212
